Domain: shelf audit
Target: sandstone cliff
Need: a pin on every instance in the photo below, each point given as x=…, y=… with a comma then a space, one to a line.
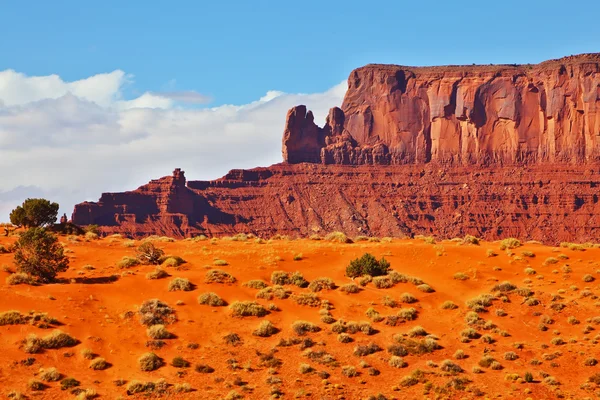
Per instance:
x=492, y=151
x=457, y=115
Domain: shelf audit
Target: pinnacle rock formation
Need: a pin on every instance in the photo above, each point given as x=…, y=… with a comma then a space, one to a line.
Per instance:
x=493, y=151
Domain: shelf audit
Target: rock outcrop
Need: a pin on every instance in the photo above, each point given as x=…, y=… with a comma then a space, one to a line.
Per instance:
x=458, y=115
x=492, y=151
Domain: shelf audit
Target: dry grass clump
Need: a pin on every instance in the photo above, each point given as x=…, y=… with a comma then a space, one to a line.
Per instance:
x=408, y=314
x=128, y=262
x=510, y=243
x=69, y=383
x=470, y=239
x=287, y=278
x=344, y=338
x=349, y=371
x=425, y=288
x=450, y=366
x=470, y=333
x=35, y=385
x=265, y=329
x=49, y=374
x=350, y=288
x=180, y=285
x=397, y=362
x=365, y=350
x=247, y=309
x=57, y=340
x=171, y=261
x=481, y=302
x=158, y=332
x=99, y=364
x=460, y=276
x=321, y=284
x=256, y=284
x=588, y=278
x=219, y=276
x=417, y=331
x=211, y=299
x=20, y=278
x=307, y=299
x=220, y=263
x=271, y=292
x=134, y=387
x=158, y=273
x=550, y=261
x=382, y=282
x=448, y=305
x=301, y=328
x=155, y=312
x=150, y=362
x=339, y=237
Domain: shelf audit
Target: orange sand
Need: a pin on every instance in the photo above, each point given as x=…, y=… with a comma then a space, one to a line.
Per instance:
x=92, y=313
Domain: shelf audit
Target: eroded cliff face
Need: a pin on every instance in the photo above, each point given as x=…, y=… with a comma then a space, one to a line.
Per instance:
x=491, y=151
x=528, y=114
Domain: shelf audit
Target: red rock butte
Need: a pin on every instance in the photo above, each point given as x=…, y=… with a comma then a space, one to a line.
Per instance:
x=493, y=151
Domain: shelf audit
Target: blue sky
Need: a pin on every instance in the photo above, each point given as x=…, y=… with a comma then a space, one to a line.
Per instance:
x=104, y=97
x=235, y=51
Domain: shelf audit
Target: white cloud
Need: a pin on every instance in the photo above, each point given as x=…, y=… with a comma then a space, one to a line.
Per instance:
x=71, y=141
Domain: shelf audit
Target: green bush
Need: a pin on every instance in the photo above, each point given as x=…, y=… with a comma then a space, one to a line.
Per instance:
x=367, y=265
x=39, y=254
x=34, y=213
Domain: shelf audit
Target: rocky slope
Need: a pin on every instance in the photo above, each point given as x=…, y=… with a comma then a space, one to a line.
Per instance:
x=494, y=151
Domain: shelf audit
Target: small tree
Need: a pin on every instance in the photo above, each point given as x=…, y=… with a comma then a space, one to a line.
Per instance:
x=34, y=212
x=148, y=253
x=39, y=254
x=367, y=265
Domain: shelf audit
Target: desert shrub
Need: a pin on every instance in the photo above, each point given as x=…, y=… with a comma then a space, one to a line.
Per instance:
x=450, y=366
x=344, y=338
x=256, y=284
x=220, y=263
x=460, y=276
x=232, y=339
x=321, y=284
x=150, y=362
x=510, y=243
x=20, y=278
x=365, y=350
x=35, y=385
x=12, y=318
x=382, y=282
x=470, y=333
x=460, y=355
x=265, y=329
x=349, y=371
x=487, y=339
x=211, y=299
x=307, y=299
x=99, y=364
x=155, y=312
x=425, y=288
x=417, y=331
x=510, y=356
x=408, y=314
x=40, y=255
x=301, y=328
x=158, y=273
x=219, y=276
x=481, y=302
x=350, y=288
x=339, y=237
x=247, y=309
x=271, y=292
x=34, y=213
x=550, y=261
x=397, y=350
x=158, y=332
x=58, y=339
x=588, y=278
x=180, y=284
x=367, y=265
x=180, y=362
x=449, y=305
x=69, y=383
x=365, y=280
x=49, y=374
x=373, y=315
x=397, y=362
x=148, y=253
x=88, y=354
x=127, y=262
x=134, y=387
x=469, y=239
